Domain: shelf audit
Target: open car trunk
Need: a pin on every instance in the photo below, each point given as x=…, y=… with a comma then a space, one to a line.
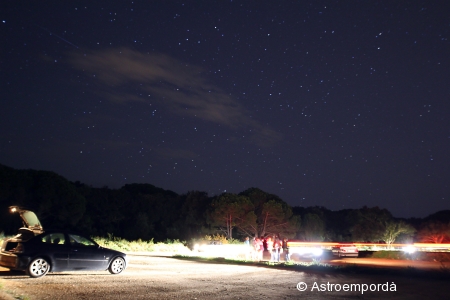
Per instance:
x=31, y=224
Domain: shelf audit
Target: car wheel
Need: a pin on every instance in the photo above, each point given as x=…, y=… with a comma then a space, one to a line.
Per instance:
x=117, y=266
x=38, y=267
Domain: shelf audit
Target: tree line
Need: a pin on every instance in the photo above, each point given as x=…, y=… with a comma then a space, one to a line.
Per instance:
x=143, y=211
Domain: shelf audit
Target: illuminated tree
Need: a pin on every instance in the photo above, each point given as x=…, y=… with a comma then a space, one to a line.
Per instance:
x=273, y=215
x=392, y=229
x=275, y=218
x=231, y=211
x=434, y=232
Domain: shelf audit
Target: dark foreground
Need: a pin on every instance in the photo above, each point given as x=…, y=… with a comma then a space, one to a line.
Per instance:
x=150, y=277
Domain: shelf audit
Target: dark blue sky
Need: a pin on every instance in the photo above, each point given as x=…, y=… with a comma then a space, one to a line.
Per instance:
x=333, y=103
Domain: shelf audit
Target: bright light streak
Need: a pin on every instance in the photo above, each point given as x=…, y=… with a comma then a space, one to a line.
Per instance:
x=306, y=250
x=424, y=247
x=317, y=251
x=409, y=249
x=227, y=250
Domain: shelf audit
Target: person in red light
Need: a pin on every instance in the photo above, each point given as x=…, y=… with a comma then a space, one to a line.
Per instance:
x=276, y=250
x=258, y=249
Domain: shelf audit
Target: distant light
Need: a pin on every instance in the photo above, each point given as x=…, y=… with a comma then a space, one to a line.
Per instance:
x=317, y=251
x=307, y=250
x=409, y=249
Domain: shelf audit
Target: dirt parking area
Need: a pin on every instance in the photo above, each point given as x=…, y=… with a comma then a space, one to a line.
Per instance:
x=153, y=277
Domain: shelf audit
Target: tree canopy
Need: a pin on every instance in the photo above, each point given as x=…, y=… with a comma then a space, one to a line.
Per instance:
x=229, y=211
x=146, y=211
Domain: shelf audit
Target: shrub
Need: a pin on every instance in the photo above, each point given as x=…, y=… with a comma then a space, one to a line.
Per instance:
x=389, y=255
x=216, y=237
x=139, y=245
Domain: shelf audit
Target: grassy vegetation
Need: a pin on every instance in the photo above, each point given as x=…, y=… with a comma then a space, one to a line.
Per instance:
x=172, y=246
x=219, y=237
x=183, y=248
x=399, y=255
x=116, y=243
x=423, y=256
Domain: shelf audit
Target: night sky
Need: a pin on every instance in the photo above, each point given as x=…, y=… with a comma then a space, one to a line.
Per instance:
x=331, y=103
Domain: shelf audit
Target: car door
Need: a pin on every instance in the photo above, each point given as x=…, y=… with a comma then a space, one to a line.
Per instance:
x=84, y=254
x=54, y=246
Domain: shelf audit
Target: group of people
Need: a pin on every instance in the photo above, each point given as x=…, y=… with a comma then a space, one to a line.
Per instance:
x=274, y=245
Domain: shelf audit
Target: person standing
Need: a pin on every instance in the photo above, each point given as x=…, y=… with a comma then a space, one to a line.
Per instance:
x=248, y=249
x=258, y=248
x=276, y=250
x=270, y=247
x=261, y=249
x=287, y=256
x=253, y=248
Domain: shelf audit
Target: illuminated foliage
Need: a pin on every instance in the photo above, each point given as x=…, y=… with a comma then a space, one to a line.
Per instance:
x=273, y=215
x=229, y=211
x=392, y=229
x=434, y=232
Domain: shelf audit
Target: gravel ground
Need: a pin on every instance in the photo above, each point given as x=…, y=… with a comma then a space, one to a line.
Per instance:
x=151, y=277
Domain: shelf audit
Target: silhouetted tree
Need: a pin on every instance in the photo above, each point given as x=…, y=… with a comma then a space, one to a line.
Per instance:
x=368, y=223
x=53, y=198
x=313, y=228
x=193, y=214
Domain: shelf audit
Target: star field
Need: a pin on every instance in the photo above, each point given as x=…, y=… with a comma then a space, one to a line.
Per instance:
x=332, y=103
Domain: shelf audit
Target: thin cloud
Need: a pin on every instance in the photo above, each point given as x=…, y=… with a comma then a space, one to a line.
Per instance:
x=181, y=87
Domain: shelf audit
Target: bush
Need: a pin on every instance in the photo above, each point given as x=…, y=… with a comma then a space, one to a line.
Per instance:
x=216, y=237
x=389, y=255
x=221, y=238
x=425, y=256
x=139, y=245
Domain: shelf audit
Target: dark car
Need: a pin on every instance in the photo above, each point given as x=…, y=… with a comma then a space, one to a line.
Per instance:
x=37, y=252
